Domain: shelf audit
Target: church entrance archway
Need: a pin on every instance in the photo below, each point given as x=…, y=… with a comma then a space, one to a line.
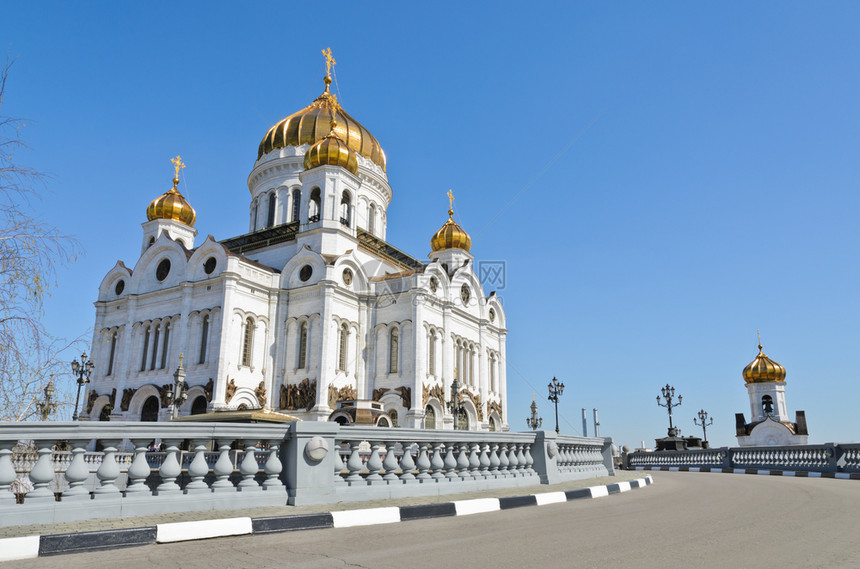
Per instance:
x=199, y=405
x=149, y=410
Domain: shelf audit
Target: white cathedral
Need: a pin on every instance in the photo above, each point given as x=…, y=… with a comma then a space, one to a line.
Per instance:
x=310, y=314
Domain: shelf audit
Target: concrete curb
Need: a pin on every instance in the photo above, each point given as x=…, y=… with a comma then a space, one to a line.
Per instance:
x=32, y=546
x=797, y=473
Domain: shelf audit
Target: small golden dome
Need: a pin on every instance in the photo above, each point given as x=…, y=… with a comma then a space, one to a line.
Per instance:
x=311, y=125
x=172, y=205
x=763, y=369
x=451, y=236
x=331, y=151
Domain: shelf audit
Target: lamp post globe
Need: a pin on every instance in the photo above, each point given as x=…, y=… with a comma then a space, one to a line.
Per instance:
x=556, y=388
x=82, y=372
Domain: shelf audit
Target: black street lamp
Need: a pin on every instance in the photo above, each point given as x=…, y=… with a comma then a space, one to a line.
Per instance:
x=454, y=403
x=82, y=370
x=556, y=388
x=46, y=407
x=534, y=422
x=703, y=416
x=668, y=394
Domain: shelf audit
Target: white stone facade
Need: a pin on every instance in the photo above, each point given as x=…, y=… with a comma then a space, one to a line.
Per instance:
x=311, y=296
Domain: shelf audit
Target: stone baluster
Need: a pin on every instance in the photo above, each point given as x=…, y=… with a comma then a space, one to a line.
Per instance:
x=503, y=460
x=521, y=460
x=7, y=473
x=495, y=463
x=407, y=465
x=485, y=460
x=463, y=462
x=42, y=473
x=249, y=468
x=338, y=465
x=512, y=459
x=223, y=468
x=390, y=462
x=169, y=471
x=423, y=463
x=273, y=467
x=437, y=463
x=450, y=462
x=198, y=469
x=76, y=473
x=354, y=464
x=530, y=461
x=374, y=463
x=475, y=461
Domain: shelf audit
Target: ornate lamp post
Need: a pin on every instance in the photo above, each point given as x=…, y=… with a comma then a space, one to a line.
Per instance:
x=534, y=422
x=46, y=407
x=82, y=370
x=556, y=388
x=454, y=403
x=668, y=394
x=703, y=416
x=179, y=394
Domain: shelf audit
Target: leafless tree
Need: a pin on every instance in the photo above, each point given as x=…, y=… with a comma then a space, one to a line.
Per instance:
x=30, y=250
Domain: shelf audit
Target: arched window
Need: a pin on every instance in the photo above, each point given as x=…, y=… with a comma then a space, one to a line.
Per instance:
x=345, y=203
x=112, y=353
x=371, y=217
x=297, y=204
x=199, y=405
x=104, y=414
x=204, y=338
x=393, y=416
x=145, y=348
x=493, y=426
x=273, y=202
x=431, y=354
x=393, y=350
x=471, y=367
x=493, y=373
x=164, y=345
x=155, y=346
x=314, y=206
x=246, y=342
x=343, y=334
x=463, y=420
x=429, y=417
x=149, y=410
x=303, y=346
x=767, y=405
x=256, y=212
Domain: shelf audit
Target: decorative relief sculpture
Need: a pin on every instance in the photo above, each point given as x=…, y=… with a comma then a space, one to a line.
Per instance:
x=260, y=392
x=207, y=390
x=127, y=394
x=493, y=406
x=164, y=395
x=301, y=396
x=476, y=399
x=434, y=391
x=230, y=390
x=91, y=401
x=405, y=394
x=345, y=393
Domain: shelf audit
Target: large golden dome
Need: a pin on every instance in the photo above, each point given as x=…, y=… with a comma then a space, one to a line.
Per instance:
x=172, y=205
x=450, y=236
x=331, y=151
x=312, y=124
x=763, y=369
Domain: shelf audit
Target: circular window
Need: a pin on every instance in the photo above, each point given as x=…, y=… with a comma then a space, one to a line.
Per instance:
x=306, y=272
x=347, y=277
x=434, y=284
x=210, y=265
x=465, y=294
x=163, y=269
x=492, y=315
x=120, y=286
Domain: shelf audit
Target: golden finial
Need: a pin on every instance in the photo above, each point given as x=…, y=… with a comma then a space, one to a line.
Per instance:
x=180, y=359
x=335, y=106
x=450, y=203
x=177, y=165
x=329, y=62
x=758, y=333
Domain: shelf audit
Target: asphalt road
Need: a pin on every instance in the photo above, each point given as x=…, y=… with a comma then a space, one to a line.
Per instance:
x=682, y=520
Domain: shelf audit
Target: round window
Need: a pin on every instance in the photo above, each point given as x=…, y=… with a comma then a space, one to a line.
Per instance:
x=465, y=294
x=210, y=265
x=120, y=286
x=434, y=284
x=492, y=315
x=347, y=277
x=163, y=269
x=305, y=273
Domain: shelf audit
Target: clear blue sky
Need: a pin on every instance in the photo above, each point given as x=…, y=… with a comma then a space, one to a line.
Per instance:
x=680, y=174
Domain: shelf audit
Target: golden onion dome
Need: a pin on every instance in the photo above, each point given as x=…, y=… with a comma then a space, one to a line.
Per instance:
x=763, y=369
x=312, y=124
x=450, y=236
x=331, y=151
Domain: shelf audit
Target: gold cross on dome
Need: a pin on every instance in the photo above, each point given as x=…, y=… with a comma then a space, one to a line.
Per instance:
x=451, y=200
x=177, y=164
x=329, y=60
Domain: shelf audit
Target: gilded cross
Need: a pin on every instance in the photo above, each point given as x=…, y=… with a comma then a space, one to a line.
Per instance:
x=451, y=200
x=329, y=60
x=177, y=164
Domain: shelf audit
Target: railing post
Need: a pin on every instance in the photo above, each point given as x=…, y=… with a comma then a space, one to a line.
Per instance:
x=834, y=454
x=606, y=451
x=545, y=452
x=726, y=456
x=308, y=460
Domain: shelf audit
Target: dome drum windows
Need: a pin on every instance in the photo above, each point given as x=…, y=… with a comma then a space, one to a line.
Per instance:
x=272, y=205
x=346, y=209
x=297, y=204
x=314, y=206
